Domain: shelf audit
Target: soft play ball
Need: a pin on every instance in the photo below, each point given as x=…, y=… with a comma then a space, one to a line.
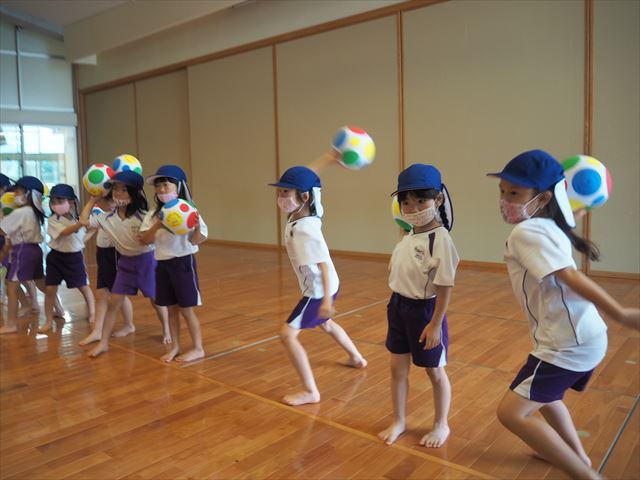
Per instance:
x=96, y=179
x=356, y=147
x=588, y=182
x=125, y=162
x=8, y=203
x=397, y=216
x=179, y=216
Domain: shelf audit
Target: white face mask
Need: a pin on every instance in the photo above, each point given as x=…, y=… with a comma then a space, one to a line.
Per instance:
x=121, y=202
x=167, y=197
x=288, y=204
x=516, y=212
x=61, y=208
x=421, y=218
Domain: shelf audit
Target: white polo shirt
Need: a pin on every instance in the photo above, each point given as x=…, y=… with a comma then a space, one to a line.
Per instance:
x=169, y=245
x=306, y=248
x=22, y=226
x=420, y=261
x=566, y=329
x=123, y=233
x=68, y=243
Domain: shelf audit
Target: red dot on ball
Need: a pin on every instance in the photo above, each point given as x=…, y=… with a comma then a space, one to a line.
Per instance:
x=184, y=207
x=193, y=218
x=110, y=172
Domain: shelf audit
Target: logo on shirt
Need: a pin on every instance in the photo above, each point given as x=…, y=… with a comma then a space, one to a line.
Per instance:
x=418, y=253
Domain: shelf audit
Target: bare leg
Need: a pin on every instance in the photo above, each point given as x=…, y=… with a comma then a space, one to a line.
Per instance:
x=442, y=401
x=174, y=325
x=90, y=301
x=24, y=302
x=32, y=293
x=127, y=314
x=49, y=301
x=400, y=365
x=197, y=352
x=12, y=308
x=115, y=303
x=557, y=415
x=356, y=359
x=102, y=303
x=516, y=414
x=163, y=316
x=298, y=357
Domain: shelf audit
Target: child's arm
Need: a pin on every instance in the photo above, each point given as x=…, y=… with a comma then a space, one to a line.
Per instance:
x=322, y=161
x=89, y=235
x=6, y=249
x=86, y=211
x=197, y=236
x=149, y=236
x=590, y=290
x=432, y=333
x=326, y=309
x=71, y=229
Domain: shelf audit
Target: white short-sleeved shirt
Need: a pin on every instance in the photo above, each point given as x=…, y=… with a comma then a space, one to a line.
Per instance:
x=123, y=233
x=68, y=243
x=169, y=245
x=22, y=226
x=566, y=329
x=307, y=248
x=421, y=261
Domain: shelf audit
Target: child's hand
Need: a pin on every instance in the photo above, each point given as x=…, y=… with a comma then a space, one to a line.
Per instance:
x=84, y=223
x=431, y=336
x=326, y=309
x=630, y=317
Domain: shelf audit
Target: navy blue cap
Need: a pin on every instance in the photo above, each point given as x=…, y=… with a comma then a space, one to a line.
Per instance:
x=533, y=169
x=63, y=190
x=129, y=177
x=5, y=181
x=168, y=171
x=419, y=177
x=300, y=178
x=30, y=183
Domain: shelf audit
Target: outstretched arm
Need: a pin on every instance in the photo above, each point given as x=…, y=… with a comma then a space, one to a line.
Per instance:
x=322, y=161
x=590, y=290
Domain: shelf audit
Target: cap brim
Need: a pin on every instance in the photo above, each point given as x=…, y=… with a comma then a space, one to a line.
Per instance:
x=284, y=185
x=523, y=182
x=150, y=180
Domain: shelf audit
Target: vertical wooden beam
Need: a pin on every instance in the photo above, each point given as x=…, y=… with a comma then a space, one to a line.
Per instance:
x=588, y=112
x=274, y=63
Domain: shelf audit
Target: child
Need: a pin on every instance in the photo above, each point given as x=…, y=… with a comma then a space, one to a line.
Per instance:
x=176, y=274
x=136, y=265
x=107, y=261
x=23, y=229
x=65, y=260
x=569, y=336
x=421, y=275
x=299, y=198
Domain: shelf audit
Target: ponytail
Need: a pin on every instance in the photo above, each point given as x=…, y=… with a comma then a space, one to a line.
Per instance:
x=582, y=245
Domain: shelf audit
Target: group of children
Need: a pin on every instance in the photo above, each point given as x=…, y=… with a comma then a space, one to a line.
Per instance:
x=569, y=335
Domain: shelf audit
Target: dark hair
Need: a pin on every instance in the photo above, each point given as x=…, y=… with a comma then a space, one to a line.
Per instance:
x=181, y=192
x=138, y=201
x=552, y=211
x=429, y=194
x=312, y=203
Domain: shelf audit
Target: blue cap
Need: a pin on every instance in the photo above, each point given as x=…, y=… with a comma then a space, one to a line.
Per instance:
x=533, y=169
x=5, y=181
x=300, y=178
x=30, y=183
x=419, y=177
x=63, y=190
x=168, y=171
x=129, y=177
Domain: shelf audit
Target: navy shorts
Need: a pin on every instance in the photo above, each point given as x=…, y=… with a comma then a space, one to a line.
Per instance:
x=177, y=282
x=543, y=382
x=107, y=260
x=305, y=313
x=406, y=319
x=136, y=273
x=25, y=262
x=67, y=266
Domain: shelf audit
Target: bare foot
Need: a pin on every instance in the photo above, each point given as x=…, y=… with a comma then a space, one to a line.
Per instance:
x=8, y=329
x=436, y=437
x=170, y=355
x=191, y=355
x=98, y=349
x=391, y=433
x=302, y=398
x=44, y=328
x=359, y=362
x=124, y=331
x=92, y=337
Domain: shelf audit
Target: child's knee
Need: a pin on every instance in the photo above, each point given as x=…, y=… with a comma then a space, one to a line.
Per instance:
x=436, y=375
x=328, y=326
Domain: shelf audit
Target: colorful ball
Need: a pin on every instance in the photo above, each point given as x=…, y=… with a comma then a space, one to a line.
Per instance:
x=356, y=147
x=588, y=182
x=125, y=162
x=179, y=216
x=96, y=179
x=397, y=216
x=8, y=203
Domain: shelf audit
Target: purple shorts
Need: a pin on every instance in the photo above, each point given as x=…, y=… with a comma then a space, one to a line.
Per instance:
x=136, y=273
x=543, y=382
x=406, y=319
x=25, y=263
x=68, y=267
x=305, y=314
x=177, y=282
x=107, y=260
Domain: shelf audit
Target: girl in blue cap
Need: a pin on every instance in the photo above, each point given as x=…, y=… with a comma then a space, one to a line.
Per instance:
x=177, y=285
x=421, y=276
x=65, y=260
x=299, y=199
x=569, y=336
x=136, y=264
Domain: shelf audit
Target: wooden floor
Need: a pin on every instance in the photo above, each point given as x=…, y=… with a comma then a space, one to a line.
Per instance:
x=127, y=415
